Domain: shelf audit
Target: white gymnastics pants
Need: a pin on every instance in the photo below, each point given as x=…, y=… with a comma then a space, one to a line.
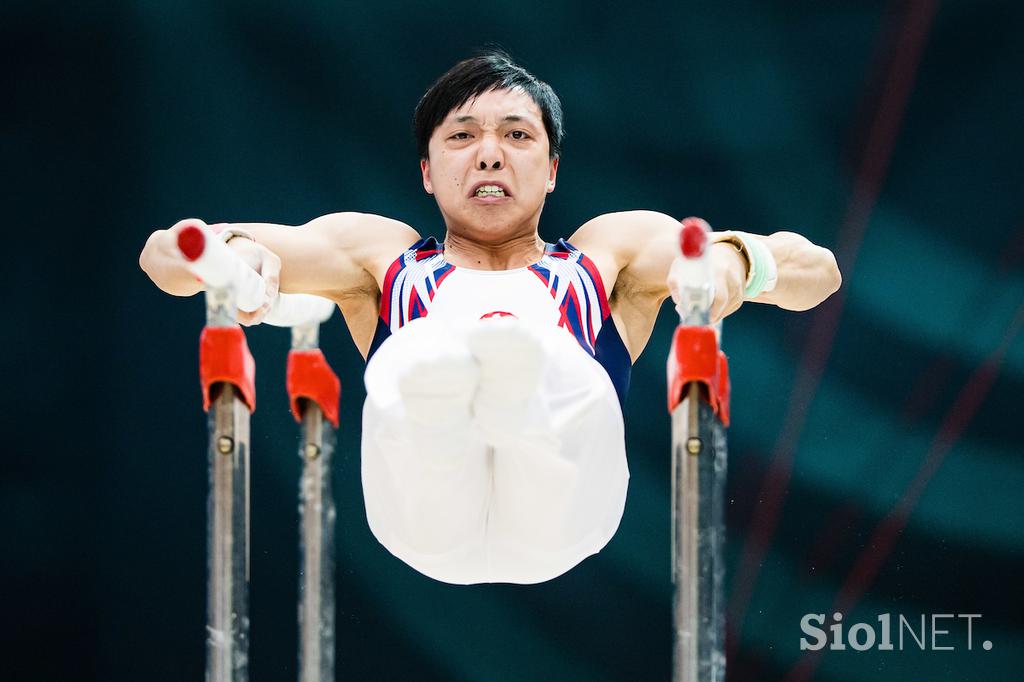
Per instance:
x=492, y=451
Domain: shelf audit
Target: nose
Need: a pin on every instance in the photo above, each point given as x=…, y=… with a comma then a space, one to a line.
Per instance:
x=489, y=154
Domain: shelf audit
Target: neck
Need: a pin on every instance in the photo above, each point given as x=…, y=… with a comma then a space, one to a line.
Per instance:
x=516, y=252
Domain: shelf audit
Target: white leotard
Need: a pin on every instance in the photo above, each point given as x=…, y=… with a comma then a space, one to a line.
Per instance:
x=455, y=507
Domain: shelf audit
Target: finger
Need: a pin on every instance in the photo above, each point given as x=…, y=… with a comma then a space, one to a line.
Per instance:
x=717, y=308
x=260, y=313
x=255, y=317
x=272, y=275
x=246, y=319
x=673, y=289
x=718, y=302
x=733, y=307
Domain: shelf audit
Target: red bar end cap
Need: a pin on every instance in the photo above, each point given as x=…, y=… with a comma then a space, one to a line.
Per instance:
x=191, y=242
x=693, y=237
x=309, y=376
x=695, y=357
x=224, y=357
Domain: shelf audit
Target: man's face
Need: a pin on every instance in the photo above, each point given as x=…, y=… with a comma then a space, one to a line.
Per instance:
x=488, y=166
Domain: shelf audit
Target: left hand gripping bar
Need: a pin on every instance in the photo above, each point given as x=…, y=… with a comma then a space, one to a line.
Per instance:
x=217, y=265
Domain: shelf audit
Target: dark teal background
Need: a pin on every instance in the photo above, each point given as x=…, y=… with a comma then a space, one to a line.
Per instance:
x=888, y=132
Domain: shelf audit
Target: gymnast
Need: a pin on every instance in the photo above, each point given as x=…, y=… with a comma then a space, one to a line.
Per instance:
x=492, y=435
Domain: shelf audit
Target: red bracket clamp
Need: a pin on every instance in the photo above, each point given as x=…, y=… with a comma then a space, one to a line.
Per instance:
x=224, y=357
x=309, y=376
x=695, y=357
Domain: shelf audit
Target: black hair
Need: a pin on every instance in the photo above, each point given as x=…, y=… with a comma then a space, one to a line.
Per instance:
x=490, y=69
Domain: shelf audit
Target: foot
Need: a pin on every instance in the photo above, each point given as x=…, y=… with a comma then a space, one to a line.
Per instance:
x=437, y=390
x=511, y=361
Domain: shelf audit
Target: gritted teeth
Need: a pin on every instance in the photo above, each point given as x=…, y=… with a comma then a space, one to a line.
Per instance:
x=489, y=191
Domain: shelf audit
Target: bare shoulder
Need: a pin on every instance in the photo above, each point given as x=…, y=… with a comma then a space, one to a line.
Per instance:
x=621, y=232
x=364, y=232
x=599, y=233
x=621, y=237
x=371, y=241
x=618, y=243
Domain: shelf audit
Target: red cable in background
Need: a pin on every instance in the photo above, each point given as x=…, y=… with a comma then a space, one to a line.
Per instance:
x=871, y=175
x=887, y=533
x=921, y=398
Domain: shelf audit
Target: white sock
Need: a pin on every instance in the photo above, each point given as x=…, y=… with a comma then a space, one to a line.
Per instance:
x=511, y=360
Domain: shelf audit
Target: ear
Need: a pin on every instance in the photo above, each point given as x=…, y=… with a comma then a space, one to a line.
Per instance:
x=425, y=171
x=551, y=175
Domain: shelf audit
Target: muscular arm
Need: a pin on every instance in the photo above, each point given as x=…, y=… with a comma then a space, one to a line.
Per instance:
x=330, y=256
x=333, y=255
x=808, y=274
x=643, y=244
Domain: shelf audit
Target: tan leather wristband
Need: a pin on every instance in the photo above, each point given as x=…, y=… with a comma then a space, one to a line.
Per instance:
x=741, y=248
x=230, y=233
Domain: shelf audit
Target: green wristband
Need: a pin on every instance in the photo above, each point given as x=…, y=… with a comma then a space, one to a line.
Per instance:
x=763, y=269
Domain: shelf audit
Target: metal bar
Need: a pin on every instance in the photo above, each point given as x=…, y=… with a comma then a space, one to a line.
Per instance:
x=306, y=336
x=316, y=533
x=227, y=642
x=698, y=534
x=316, y=548
x=227, y=534
x=220, y=307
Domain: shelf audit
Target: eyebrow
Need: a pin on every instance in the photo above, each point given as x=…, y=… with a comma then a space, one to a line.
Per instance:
x=513, y=118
